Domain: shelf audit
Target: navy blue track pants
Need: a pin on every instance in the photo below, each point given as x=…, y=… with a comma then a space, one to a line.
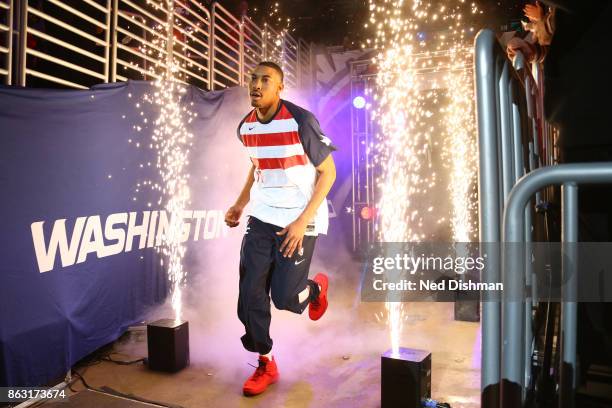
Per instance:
x=265, y=274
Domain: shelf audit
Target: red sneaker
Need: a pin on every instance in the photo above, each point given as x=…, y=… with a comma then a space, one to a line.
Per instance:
x=317, y=307
x=264, y=375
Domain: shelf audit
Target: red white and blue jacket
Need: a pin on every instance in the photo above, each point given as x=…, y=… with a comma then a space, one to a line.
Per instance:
x=285, y=151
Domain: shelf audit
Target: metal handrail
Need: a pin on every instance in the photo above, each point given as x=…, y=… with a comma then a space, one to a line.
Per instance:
x=84, y=67
x=569, y=176
x=7, y=48
x=120, y=17
x=231, y=28
x=216, y=48
x=489, y=208
x=508, y=100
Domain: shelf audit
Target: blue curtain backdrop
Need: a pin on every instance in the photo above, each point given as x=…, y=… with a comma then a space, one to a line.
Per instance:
x=57, y=151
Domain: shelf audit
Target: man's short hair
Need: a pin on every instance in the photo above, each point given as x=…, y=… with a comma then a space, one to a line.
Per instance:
x=274, y=66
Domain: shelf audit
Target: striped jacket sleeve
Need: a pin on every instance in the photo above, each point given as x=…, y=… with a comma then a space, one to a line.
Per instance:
x=316, y=145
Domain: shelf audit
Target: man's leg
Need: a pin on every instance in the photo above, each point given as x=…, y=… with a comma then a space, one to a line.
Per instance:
x=256, y=263
x=256, y=259
x=289, y=279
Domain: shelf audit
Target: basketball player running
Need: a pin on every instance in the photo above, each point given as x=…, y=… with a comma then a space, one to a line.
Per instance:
x=292, y=171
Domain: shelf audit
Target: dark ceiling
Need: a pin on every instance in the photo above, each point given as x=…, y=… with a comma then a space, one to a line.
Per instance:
x=336, y=22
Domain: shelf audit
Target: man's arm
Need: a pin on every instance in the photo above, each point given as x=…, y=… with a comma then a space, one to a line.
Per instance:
x=326, y=175
x=232, y=216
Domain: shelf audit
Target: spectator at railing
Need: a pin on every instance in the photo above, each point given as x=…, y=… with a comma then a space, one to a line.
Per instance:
x=540, y=31
x=573, y=40
x=541, y=22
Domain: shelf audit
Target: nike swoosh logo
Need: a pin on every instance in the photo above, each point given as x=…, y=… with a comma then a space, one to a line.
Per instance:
x=299, y=262
x=252, y=128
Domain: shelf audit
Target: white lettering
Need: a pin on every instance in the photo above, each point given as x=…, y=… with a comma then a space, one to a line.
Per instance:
x=198, y=215
x=114, y=234
x=134, y=230
x=185, y=225
x=151, y=233
x=118, y=233
x=162, y=228
x=45, y=256
x=210, y=225
x=92, y=229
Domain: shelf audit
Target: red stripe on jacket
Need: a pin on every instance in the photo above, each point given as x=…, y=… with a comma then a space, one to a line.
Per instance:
x=271, y=139
x=280, y=163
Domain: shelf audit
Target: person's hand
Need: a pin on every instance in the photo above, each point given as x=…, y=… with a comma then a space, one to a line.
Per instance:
x=518, y=44
x=534, y=12
x=232, y=216
x=294, y=235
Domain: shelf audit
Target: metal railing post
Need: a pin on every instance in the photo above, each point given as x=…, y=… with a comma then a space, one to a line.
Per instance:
x=507, y=154
x=569, y=307
x=9, y=55
x=283, y=54
x=241, y=51
x=107, y=37
x=264, y=41
x=521, y=65
x=299, y=64
x=517, y=132
x=532, y=163
x=211, y=49
x=113, y=28
x=23, y=42
x=170, y=39
x=513, y=274
x=519, y=171
x=488, y=191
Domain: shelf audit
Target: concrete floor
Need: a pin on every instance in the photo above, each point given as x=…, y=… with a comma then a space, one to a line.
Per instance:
x=335, y=364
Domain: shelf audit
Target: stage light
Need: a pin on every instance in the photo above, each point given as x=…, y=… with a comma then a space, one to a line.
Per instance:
x=359, y=102
x=367, y=213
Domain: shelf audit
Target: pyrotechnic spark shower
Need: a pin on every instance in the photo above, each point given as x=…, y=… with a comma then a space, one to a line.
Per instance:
x=460, y=144
x=414, y=38
x=274, y=35
x=171, y=141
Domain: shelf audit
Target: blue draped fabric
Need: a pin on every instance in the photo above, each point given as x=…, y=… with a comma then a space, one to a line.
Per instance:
x=66, y=154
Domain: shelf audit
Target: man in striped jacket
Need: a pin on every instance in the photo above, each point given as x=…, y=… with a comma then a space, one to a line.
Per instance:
x=292, y=171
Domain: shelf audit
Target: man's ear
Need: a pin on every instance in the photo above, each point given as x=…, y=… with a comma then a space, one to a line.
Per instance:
x=281, y=86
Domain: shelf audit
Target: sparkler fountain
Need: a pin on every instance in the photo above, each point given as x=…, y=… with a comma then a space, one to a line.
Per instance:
x=404, y=142
x=171, y=142
x=168, y=339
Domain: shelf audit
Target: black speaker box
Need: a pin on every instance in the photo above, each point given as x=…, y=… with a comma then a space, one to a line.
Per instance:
x=168, y=345
x=405, y=378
